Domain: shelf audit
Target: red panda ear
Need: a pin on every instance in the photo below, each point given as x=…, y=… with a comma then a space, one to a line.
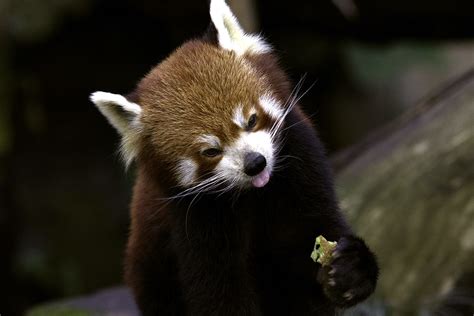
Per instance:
x=230, y=34
x=124, y=116
x=120, y=112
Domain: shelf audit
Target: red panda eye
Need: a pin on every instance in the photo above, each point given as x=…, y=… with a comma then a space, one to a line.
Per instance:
x=252, y=122
x=211, y=152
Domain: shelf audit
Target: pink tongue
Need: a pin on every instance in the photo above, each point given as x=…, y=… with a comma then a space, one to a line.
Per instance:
x=261, y=179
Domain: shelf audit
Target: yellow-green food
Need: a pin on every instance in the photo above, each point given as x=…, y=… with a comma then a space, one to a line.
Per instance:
x=323, y=249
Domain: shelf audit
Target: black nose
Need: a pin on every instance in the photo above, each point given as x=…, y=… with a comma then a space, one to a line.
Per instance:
x=254, y=163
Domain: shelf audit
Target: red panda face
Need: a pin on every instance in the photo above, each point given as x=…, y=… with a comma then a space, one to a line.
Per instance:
x=208, y=115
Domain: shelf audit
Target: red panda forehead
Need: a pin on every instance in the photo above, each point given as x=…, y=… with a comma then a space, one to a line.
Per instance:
x=202, y=77
x=196, y=91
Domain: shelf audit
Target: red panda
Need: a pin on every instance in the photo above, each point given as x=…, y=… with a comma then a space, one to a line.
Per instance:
x=232, y=188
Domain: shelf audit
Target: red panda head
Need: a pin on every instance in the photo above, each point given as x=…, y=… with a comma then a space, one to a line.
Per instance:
x=210, y=114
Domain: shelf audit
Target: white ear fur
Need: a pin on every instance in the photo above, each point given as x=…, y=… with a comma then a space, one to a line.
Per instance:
x=230, y=33
x=124, y=116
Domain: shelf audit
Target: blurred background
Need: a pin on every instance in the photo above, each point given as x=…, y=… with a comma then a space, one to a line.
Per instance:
x=63, y=191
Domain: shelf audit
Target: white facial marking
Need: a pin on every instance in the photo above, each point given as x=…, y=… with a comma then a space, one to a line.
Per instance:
x=232, y=163
x=271, y=106
x=186, y=172
x=239, y=117
x=211, y=140
x=230, y=34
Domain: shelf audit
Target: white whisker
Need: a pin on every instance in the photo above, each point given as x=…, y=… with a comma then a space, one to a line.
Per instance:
x=276, y=133
x=288, y=104
x=199, y=187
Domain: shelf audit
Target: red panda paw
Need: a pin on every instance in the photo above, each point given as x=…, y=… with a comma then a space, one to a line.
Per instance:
x=352, y=274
